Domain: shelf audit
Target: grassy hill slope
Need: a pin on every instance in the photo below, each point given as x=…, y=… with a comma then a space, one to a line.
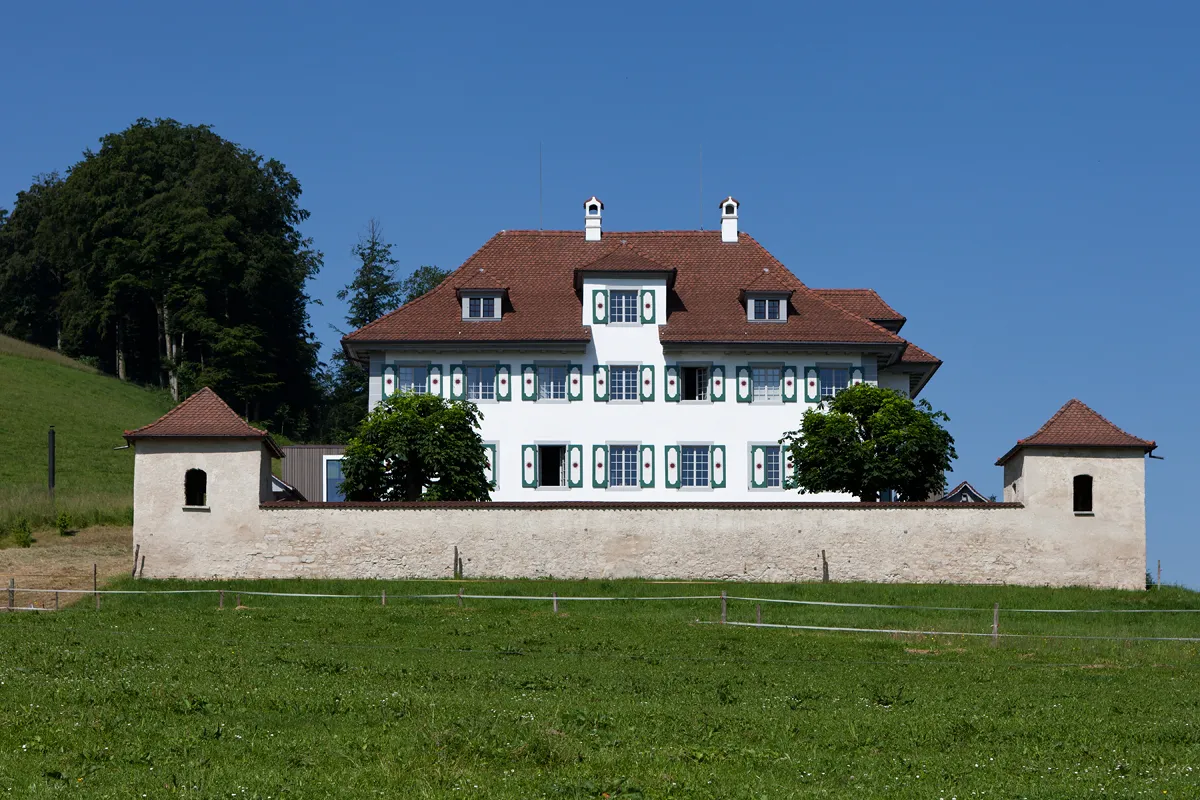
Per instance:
x=89, y=411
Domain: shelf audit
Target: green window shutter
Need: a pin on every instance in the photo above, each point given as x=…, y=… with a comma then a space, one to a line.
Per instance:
x=716, y=384
x=671, y=466
x=758, y=466
x=856, y=376
x=574, y=382
x=647, y=307
x=672, y=390
x=389, y=380
x=646, y=379
x=599, y=306
x=812, y=385
x=646, y=465
x=528, y=382
x=599, y=466
x=790, y=390
x=745, y=386
x=458, y=382
x=435, y=380
x=600, y=383
x=503, y=382
x=716, y=473
x=529, y=466
x=788, y=465
x=491, y=464
x=575, y=466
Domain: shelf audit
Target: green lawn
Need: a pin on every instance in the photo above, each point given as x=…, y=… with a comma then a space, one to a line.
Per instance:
x=295, y=697
x=40, y=388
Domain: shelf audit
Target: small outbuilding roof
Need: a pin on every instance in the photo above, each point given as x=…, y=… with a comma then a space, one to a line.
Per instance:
x=204, y=415
x=1077, y=425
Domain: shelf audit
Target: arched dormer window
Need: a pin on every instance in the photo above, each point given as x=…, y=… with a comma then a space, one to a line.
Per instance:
x=195, y=488
x=1082, y=494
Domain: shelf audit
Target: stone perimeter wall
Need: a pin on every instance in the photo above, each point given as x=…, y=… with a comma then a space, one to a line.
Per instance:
x=962, y=543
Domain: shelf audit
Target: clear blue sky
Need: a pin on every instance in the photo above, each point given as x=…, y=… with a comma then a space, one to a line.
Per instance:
x=1021, y=181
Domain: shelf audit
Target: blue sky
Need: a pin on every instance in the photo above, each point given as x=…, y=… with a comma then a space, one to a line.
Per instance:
x=1020, y=180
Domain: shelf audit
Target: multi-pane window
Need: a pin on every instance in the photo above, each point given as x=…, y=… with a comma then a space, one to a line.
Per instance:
x=481, y=307
x=552, y=383
x=481, y=383
x=766, y=308
x=623, y=306
x=693, y=463
x=622, y=465
x=766, y=383
x=411, y=379
x=695, y=383
x=833, y=380
x=772, y=473
x=623, y=383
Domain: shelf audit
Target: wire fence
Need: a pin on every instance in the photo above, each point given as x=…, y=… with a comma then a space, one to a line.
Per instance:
x=556, y=600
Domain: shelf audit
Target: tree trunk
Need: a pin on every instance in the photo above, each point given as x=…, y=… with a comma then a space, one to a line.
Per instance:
x=171, y=352
x=121, y=374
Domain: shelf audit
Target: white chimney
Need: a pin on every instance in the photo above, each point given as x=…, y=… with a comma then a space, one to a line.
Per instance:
x=591, y=218
x=729, y=209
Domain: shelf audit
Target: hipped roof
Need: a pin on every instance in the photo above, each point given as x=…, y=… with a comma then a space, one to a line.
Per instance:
x=204, y=415
x=1077, y=425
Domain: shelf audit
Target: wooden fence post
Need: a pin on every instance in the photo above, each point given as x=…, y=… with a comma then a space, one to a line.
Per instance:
x=455, y=566
x=95, y=585
x=142, y=568
x=995, y=624
x=136, y=550
x=824, y=568
x=220, y=599
x=12, y=583
x=1158, y=583
x=758, y=613
x=237, y=601
x=723, y=607
x=554, y=597
x=460, y=603
x=56, y=601
x=383, y=598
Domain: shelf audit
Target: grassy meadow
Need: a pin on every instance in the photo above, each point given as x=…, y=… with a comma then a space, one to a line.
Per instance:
x=89, y=411
x=169, y=696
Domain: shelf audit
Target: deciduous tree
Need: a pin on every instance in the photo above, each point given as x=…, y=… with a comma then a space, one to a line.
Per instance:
x=869, y=440
x=417, y=447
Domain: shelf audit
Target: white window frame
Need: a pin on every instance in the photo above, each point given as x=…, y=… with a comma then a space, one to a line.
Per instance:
x=706, y=447
x=566, y=368
x=766, y=298
x=467, y=381
x=637, y=386
x=636, y=447
x=821, y=367
x=423, y=365
x=778, y=398
x=564, y=470
x=708, y=369
x=467, y=297
x=325, y=459
x=612, y=315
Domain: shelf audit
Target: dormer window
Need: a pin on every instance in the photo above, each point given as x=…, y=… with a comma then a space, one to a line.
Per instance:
x=480, y=306
x=766, y=307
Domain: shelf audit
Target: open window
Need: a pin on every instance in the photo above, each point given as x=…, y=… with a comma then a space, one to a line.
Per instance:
x=695, y=383
x=195, y=488
x=1082, y=494
x=552, y=465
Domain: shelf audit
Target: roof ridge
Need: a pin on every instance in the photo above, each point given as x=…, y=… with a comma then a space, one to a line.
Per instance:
x=201, y=394
x=1075, y=402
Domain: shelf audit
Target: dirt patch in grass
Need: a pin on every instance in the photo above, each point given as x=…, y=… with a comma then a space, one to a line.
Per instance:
x=65, y=562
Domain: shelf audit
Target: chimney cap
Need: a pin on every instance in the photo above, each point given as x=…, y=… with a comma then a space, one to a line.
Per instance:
x=593, y=201
x=730, y=200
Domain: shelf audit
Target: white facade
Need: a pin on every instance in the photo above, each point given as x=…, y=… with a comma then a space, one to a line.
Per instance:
x=653, y=423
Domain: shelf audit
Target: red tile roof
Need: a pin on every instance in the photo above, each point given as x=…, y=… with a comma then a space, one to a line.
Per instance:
x=915, y=355
x=481, y=280
x=770, y=281
x=538, y=266
x=1077, y=425
x=204, y=415
x=866, y=303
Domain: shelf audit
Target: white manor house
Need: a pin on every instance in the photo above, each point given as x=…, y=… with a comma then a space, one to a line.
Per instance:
x=636, y=366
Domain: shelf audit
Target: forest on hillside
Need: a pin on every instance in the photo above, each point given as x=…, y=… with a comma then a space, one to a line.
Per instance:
x=173, y=257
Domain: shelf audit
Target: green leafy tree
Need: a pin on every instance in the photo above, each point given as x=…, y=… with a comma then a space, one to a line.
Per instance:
x=417, y=447
x=871, y=439
x=423, y=280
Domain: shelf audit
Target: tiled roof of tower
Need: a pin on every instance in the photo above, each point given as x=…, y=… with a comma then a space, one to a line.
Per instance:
x=864, y=302
x=1077, y=425
x=538, y=267
x=204, y=415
